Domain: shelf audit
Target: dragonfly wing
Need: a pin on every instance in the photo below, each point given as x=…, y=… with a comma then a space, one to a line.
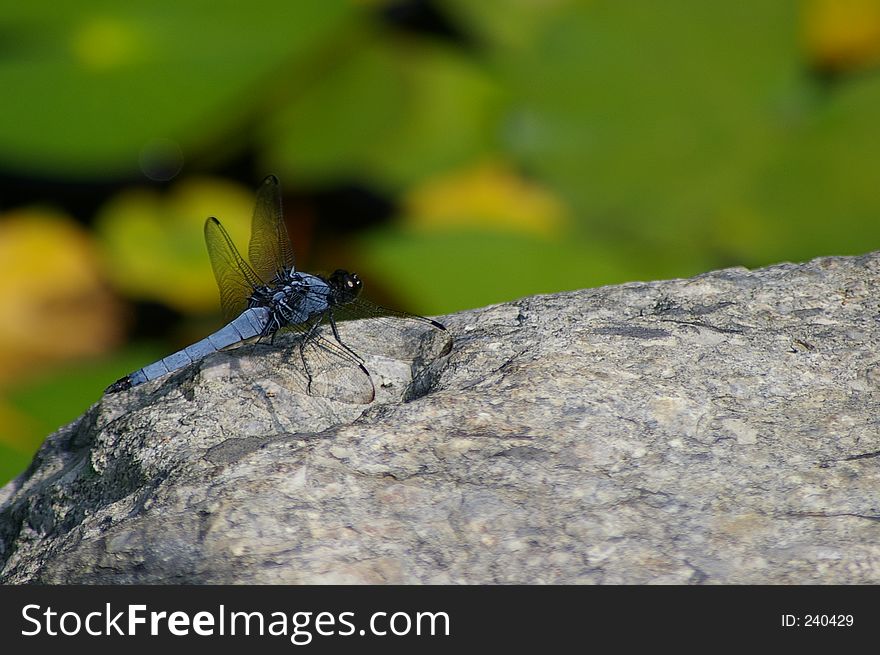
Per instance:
x=270, y=251
x=327, y=369
x=335, y=373
x=235, y=279
x=390, y=332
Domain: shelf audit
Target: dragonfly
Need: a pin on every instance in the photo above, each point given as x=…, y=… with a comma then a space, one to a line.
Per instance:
x=269, y=296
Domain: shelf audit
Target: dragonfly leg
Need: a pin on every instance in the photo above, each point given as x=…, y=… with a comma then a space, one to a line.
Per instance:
x=269, y=330
x=336, y=335
x=302, y=351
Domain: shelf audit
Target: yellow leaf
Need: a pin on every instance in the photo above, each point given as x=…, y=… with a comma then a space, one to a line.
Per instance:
x=155, y=244
x=488, y=195
x=56, y=305
x=842, y=35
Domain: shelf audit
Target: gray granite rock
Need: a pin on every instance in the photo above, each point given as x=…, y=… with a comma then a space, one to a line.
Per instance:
x=721, y=429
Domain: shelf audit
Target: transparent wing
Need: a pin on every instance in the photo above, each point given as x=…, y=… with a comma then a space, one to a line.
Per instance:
x=235, y=279
x=328, y=369
x=389, y=331
x=269, y=251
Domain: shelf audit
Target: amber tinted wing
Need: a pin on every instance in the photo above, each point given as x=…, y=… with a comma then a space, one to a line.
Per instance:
x=235, y=279
x=269, y=251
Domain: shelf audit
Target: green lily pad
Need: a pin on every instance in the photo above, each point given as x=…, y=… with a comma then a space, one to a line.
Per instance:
x=437, y=272
x=392, y=111
x=88, y=85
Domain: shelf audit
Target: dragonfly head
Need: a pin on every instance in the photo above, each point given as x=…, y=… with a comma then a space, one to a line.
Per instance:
x=346, y=286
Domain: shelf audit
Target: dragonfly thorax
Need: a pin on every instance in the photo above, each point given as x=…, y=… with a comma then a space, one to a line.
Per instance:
x=294, y=298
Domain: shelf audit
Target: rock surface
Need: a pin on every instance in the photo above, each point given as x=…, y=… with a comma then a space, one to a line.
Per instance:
x=721, y=429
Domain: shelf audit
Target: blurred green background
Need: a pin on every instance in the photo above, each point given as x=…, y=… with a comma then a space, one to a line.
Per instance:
x=454, y=153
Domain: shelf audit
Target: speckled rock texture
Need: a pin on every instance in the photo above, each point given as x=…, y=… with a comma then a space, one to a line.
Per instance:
x=721, y=429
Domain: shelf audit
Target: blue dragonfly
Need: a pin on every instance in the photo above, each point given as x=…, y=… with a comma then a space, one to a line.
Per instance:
x=269, y=296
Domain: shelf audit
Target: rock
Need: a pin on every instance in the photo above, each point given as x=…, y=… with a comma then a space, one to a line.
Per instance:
x=721, y=429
